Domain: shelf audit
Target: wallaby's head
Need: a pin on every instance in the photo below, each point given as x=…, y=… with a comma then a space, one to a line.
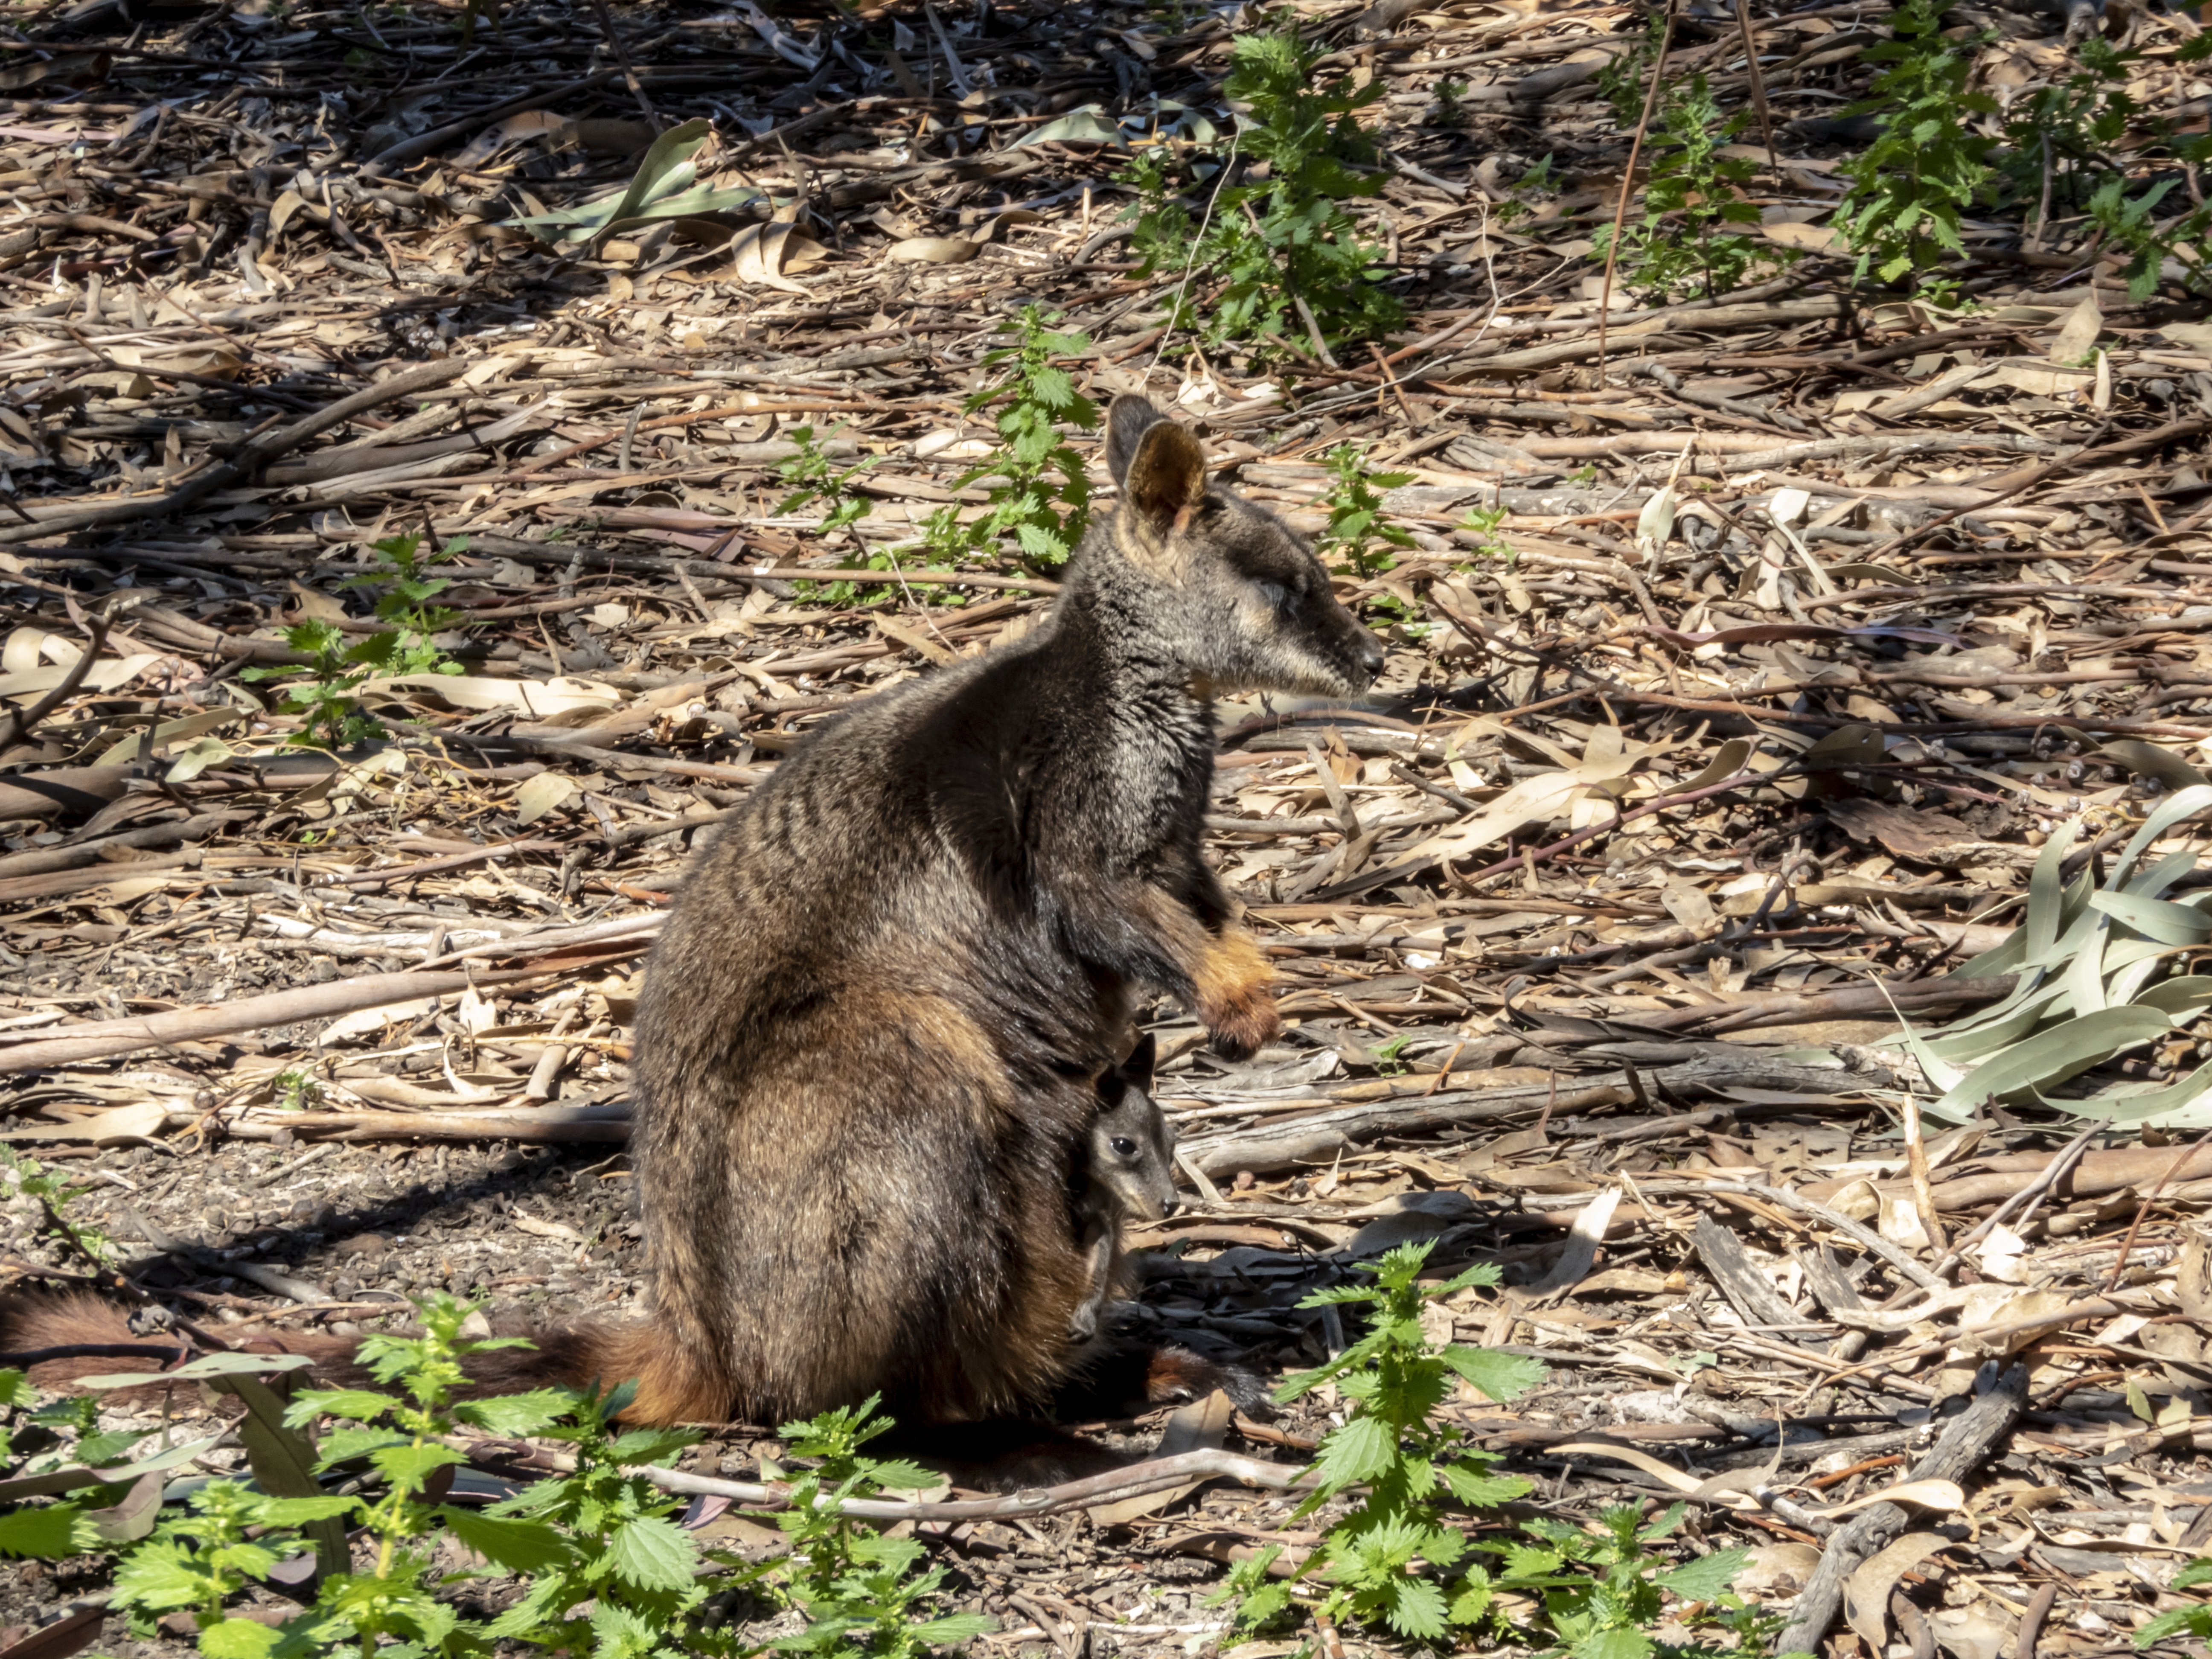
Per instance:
x=1246, y=606
x=1132, y=1148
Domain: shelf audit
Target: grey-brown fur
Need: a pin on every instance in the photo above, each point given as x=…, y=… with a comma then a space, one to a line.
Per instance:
x=868, y=1039
x=1128, y=1175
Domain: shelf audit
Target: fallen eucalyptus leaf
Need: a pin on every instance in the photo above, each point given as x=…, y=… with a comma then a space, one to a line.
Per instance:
x=933, y=251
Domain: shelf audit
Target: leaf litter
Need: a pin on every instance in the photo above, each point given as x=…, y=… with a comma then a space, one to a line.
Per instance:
x=1765, y=666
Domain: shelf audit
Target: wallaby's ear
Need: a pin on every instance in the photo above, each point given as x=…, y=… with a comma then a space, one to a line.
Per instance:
x=1128, y=419
x=1166, y=477
x=1139, y=1067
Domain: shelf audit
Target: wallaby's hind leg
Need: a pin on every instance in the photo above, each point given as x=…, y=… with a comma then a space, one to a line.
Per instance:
x=1098, y=1254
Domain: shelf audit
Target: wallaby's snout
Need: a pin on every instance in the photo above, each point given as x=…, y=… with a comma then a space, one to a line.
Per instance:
x=1252, y=607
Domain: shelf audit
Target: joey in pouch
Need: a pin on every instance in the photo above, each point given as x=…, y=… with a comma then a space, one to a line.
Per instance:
x=1126, y=1173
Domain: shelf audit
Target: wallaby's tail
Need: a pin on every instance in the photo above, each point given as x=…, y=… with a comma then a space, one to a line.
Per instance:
x=672, y=1388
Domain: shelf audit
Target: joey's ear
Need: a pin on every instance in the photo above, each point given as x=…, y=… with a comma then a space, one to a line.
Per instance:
x=1128, y=419
x=1166, y=477
x=1142, y=1060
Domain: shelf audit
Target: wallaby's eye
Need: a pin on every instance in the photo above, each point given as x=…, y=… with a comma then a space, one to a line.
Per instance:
x=1123, y=1146
x=1273, y=593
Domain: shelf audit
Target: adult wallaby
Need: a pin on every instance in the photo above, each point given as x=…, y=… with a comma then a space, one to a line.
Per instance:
x=1127, y=1174
x=868, y=1040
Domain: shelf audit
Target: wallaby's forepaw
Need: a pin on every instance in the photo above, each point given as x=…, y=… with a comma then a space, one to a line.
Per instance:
x=1241, y=1025
x=1234, y=1004
x=1082, y=1325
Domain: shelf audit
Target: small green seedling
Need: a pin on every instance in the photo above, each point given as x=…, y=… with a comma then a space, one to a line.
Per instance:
x=325, y=692
x=812, y=476
x=1039, y=490
x=1357, y=521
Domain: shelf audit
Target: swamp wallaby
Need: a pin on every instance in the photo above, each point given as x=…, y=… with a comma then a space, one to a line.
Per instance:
x=1127, y=1174
x=868, y=1039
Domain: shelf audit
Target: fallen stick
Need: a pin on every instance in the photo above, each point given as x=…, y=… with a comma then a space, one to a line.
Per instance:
x=1324, y=1134
x=1154, y=1475
x=1785, y=1008
x=1289, y=1141
x=603, y=1125
x=437, y=865
x=40, y=860
x=1971, y=1438
x=2095, y=1174
x=106, y=1037
x=246, y=463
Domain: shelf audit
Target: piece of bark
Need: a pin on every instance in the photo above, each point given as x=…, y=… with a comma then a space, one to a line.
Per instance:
x=1993, y=1179
x=1741, y=1283
x=1972, y=1437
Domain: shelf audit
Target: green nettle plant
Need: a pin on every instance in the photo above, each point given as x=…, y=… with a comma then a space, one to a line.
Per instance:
x=604, y=1567
x=812, y=476
x=2067, y=131
x=1602, y=1590
x=857, y=1587
x=1390, y=1560
x=1290, y=265
x=327, y=692
x=1910, y=189
x=1694, y=194
x=1040, y=495
x=613, y=1574
x=1396, y=1561
x=2194, y=1622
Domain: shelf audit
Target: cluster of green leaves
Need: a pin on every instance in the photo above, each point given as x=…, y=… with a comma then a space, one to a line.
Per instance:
x=1038, y=489
x=1396, y=1561
x=812, y=476
x=2070, y=130
x=2097, y=970
x=1911, y=187
x=2194, y=1621
x=31, y=1179
x=1450, y=111
x=605, y=1568
x=1623, y=80
x=1694, y=193
x=1409, y=1463
x=1481, y=526
x=1289, y=263
x=858, y=1588
x=1602, y=1589
x=1909, y=190
x=1357, y=522
x=327, y=692
x=1541, y=180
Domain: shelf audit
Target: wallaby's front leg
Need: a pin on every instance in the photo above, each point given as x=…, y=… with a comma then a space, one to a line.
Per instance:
x=1098, y=1248
x=1146, y=934
x=1230, y=980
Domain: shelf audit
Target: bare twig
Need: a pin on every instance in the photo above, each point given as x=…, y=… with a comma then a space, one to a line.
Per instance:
x=1628, y=182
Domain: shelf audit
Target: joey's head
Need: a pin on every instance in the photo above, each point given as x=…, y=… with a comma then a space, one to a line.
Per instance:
x=1132, y=1148
x=1234, y=591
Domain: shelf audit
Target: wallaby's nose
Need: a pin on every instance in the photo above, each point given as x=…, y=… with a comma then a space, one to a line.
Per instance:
x=1370, y=654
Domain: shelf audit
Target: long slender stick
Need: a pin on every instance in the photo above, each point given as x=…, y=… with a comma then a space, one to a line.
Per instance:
x=1628, y=182
x=1759, y=85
